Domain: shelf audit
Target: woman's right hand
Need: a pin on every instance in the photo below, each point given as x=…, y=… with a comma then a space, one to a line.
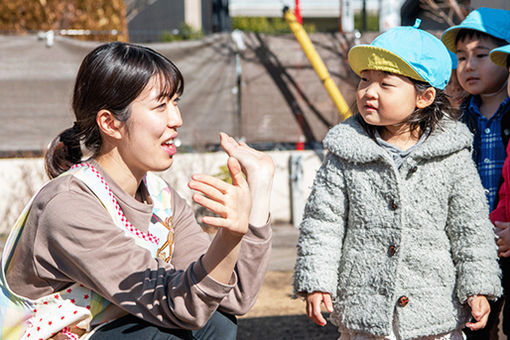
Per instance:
x=313, y=306
x=231, y=202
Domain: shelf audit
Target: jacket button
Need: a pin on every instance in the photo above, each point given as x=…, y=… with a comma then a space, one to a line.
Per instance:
x=393, y=205
x=403, y=301
x=392, y=250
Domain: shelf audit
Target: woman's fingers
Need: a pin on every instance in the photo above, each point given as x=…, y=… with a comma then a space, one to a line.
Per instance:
x=236, y=173
x=211, y=181
x=214, y=206
x=227, y=143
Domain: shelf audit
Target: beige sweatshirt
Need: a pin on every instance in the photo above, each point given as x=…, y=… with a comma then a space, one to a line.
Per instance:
x=69, y=237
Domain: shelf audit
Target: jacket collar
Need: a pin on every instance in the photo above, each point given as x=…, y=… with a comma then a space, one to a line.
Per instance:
x=349, y=141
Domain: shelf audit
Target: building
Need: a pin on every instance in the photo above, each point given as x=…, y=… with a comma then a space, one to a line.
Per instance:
x=149, y=20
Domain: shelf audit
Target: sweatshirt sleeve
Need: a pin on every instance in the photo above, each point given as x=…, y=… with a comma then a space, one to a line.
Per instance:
x=85, y=246
x=251, y=267
x=471, y=234
x=321, y=232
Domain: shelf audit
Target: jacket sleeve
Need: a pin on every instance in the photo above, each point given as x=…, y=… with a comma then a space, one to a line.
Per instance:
x=322, y=231
x=500, y=213
x=471, y=234
x=191, y=242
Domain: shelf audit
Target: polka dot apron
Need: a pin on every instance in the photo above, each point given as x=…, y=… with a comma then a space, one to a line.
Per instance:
x=70, y=312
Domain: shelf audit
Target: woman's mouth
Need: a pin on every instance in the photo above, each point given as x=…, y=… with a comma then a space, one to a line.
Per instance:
x=169, y=147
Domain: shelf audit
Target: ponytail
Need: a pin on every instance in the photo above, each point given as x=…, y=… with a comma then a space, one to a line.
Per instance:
x=63, y=152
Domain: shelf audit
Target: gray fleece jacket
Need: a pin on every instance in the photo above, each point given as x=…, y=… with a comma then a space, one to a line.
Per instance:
x=374, y=236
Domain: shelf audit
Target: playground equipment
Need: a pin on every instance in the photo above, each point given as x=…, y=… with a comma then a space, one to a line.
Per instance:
x=317, y=63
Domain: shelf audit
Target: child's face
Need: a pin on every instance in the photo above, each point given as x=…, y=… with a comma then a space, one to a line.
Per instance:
x=385, y=99
x=475, y=71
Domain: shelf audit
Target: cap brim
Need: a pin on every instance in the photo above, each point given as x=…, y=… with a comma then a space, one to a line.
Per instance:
x=367, y=57
x=449, y=37
x=500, y=55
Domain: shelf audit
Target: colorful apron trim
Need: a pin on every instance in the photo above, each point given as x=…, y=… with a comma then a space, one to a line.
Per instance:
x=71, y=311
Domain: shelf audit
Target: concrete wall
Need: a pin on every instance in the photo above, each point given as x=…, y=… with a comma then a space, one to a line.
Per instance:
x=20, y=179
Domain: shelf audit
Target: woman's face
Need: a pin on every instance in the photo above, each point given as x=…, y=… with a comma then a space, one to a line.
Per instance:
x=150, y=131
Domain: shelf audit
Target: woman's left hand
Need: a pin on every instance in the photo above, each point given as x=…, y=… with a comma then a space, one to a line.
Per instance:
x=259, y=170
x=231, y=202
x=480, y=310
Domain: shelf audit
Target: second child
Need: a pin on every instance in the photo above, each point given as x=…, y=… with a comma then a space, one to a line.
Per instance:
x=486, y=111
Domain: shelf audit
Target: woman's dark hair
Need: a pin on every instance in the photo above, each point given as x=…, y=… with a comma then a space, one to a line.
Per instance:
x=465, y=33
x=110, y=77
x=421, y=120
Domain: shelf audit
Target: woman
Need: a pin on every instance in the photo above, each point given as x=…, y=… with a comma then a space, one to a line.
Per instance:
x=116, y=247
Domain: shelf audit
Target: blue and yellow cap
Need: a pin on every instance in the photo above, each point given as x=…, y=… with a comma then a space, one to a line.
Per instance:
x=491, y=21
x=500, y=55
x=408, y=51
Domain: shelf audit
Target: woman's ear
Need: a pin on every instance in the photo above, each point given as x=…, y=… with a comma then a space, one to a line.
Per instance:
x=108, y=124
x=426, y=98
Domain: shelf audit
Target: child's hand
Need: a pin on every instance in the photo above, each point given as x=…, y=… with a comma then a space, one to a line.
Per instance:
x=503, y=242
x=480, y=310
x=313, y=306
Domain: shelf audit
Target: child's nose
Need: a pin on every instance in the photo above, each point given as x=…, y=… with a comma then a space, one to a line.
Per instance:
x=371, y=91
x=470, y=63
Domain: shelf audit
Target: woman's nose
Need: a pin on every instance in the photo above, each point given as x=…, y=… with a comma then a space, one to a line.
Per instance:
x=174, y=117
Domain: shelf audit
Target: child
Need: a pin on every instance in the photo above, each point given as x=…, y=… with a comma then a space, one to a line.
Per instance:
x=107, y=241
x=501, y=215
x=396, y=234
x=486, y=110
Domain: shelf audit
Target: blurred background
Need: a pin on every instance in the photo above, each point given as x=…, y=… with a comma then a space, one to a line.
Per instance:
x=248, y=70
x=245, y=73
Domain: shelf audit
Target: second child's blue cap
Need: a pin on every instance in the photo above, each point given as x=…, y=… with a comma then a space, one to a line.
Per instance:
x=499, y=56
x=491, y=21
x=408, y=51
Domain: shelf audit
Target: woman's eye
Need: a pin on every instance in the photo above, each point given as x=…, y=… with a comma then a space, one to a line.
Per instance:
x=386, y=84
x=161, y=106
x=364, y=79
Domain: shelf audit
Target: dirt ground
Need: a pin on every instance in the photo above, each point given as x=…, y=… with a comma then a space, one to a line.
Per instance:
x=276, y=316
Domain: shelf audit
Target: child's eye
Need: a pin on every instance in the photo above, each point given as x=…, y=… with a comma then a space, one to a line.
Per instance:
x=482, y=55
x=363, y=79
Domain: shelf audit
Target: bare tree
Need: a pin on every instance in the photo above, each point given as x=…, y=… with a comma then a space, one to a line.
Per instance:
x=446, y=11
